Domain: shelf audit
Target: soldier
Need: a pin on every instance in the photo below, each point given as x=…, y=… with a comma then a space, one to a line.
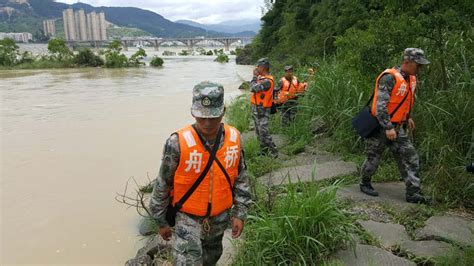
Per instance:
x=289, y=89
x=222, y=196
x=261, y=100
x=394, y=97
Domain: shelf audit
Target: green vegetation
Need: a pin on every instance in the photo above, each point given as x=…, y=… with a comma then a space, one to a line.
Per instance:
x=86, y=57
x=8, y=52
x=136, y=59
x=453, y=258
x=221, y=56
x=156, y=61
x=369, y=37
x=302, y=226
x=184, y=53
x=60, y=56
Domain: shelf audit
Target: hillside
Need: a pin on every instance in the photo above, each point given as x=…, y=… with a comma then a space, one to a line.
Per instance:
x=26, y=15
x=238, y=27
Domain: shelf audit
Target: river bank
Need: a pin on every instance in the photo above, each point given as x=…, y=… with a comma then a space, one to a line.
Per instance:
x=71, y=138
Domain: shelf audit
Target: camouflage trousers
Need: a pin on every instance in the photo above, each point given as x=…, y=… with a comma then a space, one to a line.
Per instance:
x=261, y=117
x=403, y=151
x=194, y=245
x=288, y=112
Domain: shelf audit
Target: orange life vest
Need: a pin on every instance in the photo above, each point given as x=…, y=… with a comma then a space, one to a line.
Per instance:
x=264, y=98
x=214, y=188
x=288, y=90
x=302, y=86
x=398, y=94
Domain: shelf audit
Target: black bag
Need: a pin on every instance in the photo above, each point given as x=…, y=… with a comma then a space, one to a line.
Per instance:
x=172, y=210
x=365, y=123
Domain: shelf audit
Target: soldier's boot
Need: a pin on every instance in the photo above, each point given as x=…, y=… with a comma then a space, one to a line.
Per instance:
x=414, y=195
x=367, y=188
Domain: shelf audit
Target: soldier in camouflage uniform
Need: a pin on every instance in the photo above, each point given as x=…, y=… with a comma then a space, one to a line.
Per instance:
x=198, y=240
x=395, y=87
x=261, y=87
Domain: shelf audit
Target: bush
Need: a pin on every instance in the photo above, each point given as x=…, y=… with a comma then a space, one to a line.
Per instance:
x=8, y=52
x=86, y=57
x=59, y=50
x=184, y=53
x=156, y=61
x=221, y=56
x=209, y=52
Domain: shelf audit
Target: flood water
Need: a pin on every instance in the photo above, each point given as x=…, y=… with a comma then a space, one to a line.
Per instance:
x=70, y=140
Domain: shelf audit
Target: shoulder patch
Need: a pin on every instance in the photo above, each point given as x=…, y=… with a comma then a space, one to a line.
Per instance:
x=233, y=135
x=189, y=138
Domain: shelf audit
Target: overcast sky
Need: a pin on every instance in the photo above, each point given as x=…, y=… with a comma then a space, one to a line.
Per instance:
x=203, y=11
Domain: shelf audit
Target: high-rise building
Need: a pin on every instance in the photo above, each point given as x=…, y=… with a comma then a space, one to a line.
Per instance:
x=102, y=26
x=49, y=27
x=17, y=36
x=81, y=27
x=70, y=25
x=81, y=22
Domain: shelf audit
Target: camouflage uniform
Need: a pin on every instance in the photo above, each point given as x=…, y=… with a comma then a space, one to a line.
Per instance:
x=261, y=116
x=192, y=246
x=402, y=148
x=288, y=111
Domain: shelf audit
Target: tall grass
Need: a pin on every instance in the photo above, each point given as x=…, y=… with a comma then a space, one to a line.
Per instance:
x=302, y=227
x=238, y=113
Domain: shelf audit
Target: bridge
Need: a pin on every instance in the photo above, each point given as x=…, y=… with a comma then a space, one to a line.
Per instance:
x=189, y=42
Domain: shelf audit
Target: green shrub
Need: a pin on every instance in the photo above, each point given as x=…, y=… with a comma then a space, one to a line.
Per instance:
x=114, y=58
x=156, y=61
x=222, y=58
x=86, y=57
x=8, y=52
x=209, y=52
x=184, y=53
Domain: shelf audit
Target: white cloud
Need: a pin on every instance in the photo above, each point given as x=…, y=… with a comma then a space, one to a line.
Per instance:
x=207, y=12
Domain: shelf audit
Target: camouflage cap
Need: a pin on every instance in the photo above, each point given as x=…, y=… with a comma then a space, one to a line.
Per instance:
x=263, y=62
x=288, y=68
x=208, y=100
x=415, y=54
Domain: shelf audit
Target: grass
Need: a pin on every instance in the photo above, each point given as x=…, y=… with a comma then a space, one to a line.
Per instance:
x=453, y=258
x=238, y=113
x=304, y=226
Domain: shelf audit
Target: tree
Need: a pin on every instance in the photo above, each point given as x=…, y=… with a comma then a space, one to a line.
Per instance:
x=113, y=56
x=59, y=50
x=135, y=59
x=8, y=52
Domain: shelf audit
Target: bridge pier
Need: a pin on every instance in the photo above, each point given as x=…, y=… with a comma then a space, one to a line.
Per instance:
x=156, y=45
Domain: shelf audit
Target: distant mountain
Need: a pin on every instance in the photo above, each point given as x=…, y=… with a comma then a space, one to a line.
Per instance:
x=232, y=26
x=26, y=15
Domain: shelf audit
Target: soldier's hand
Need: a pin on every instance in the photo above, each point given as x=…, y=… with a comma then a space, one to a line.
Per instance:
x=391, y=134
x=165, y=233
x=237, y=227
x=411, y=124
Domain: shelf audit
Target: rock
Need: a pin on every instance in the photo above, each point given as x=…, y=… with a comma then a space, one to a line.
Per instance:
x=371, y=211
x=307, y=173
x=392, y=193
x=229, y=250
x=429, y=248
x=155, y=245
x=143, y=260
x=389, y=234
x=369, y=255
x=450, y=228
x=309, y=158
